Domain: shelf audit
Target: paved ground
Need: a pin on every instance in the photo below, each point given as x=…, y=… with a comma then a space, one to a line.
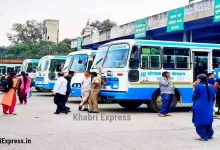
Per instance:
x=139, y=129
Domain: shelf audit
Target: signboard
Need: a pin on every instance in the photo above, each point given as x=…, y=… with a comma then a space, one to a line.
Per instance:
x=79, y=43
x=140, y=28
x=175, y=19
x=216, y=17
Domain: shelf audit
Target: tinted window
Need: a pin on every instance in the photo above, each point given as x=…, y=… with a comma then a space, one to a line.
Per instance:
x=176, y=58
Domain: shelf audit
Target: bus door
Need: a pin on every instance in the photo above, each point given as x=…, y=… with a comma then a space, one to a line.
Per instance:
x=201, y=63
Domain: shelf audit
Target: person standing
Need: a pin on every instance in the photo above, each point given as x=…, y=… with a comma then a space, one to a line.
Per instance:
x=166, y=91
x=211, y=78
x=203, y=98
x=86, y=89
x=59, y=90
x=24, y=87
x=217, y=100
x=9, y=97
x=94, y=97
x=68, y=91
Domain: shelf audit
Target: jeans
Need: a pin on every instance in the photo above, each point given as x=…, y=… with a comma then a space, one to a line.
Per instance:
x=166, y=103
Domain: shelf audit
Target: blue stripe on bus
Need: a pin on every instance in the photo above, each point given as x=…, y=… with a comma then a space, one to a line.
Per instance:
x=177, y=44
x=49, y=86
x=144, y=94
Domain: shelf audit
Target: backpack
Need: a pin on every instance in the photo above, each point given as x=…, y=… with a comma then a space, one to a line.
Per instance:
x=6, y=84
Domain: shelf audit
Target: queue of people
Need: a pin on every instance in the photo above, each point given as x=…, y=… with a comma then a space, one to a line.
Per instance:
x=12, y=85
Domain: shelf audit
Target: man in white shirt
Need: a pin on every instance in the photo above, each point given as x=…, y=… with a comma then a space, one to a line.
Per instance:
x=60, y=89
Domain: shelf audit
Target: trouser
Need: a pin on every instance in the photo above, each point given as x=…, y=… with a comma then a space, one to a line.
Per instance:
x=22, y=99
x=166, y=103
x=93, y=100
x=206, y=132
x=85, y=97
x=67, y=97
x=59, y=100
x=7, y=108
x=22, y=96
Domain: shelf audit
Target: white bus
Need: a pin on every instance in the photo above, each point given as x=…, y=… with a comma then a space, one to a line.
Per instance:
x=7, y=68
x=132, y=68
x=47, y=70
x=79, y=62
x=30, y=66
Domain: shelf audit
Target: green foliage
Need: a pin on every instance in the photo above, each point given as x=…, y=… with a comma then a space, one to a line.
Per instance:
x=30, y=32
x=27, y=43
x=104, y=25
x=36, y=50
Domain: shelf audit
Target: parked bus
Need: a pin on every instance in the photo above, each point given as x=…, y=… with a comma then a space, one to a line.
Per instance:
x=132, y=68
x=7, y=68
x=30, y=66
x=47, y=70
x=79, y=62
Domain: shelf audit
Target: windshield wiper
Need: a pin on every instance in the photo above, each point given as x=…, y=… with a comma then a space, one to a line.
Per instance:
x=99, y=61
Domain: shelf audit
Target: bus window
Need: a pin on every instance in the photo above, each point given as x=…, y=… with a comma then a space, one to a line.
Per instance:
x=176, y=58
x=216, y=59
x=79, y=63
x=117, y=56
x=134, y=58
x=56, y=65
x=67, y=63
x=150, y=58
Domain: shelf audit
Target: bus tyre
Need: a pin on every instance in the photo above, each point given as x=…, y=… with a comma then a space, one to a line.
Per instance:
x=130, y=104
x=156, y=103
x=38, y=89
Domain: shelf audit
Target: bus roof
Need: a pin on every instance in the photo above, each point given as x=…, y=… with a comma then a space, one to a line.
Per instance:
x=32, y=60
x=54, y=57
x=83, y=51
x=166, y=43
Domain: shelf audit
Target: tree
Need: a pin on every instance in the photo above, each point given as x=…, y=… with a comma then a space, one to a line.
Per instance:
x=64, y=47
x=104, y=25
x=30, y=32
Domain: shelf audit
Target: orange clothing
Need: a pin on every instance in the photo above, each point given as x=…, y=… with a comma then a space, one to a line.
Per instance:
x=8, y=96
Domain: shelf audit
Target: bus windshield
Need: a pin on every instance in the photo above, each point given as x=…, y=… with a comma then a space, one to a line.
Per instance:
x=67, y=64
x=44, y=64
x=31, y=67
x=117, y=56
x=99, y=59
x=56, y=65
x=79, y=63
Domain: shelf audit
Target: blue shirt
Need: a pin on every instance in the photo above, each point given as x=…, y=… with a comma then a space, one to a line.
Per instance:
x=211, y=81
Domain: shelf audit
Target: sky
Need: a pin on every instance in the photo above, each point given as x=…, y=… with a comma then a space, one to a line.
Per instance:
x=73, y=14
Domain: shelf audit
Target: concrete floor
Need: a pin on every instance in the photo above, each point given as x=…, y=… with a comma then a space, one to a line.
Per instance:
x=140, y=129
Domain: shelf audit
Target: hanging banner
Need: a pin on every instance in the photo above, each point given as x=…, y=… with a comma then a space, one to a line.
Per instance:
x=175, y=20
x=216, y=17
x=79, y=43
x=140, y=28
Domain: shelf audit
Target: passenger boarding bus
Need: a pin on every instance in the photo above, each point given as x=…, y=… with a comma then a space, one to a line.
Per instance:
x=132, y=68
x=30, y=66
x=7, y=68
x=79, y=62
x=47, y=70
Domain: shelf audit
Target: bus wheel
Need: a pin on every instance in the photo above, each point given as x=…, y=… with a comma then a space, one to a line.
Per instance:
x=130, y=104
x=38, y=89
x=156, y=103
